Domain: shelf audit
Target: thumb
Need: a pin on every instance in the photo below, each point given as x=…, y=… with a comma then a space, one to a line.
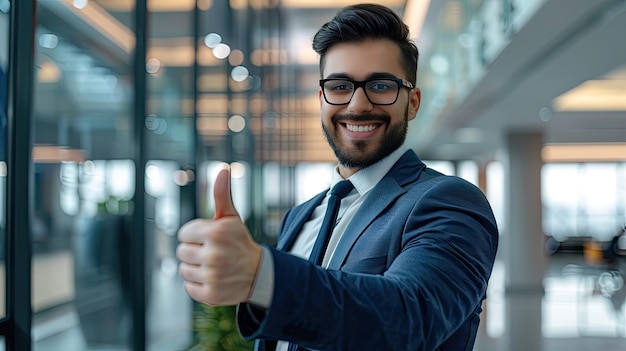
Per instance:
x=221, y=193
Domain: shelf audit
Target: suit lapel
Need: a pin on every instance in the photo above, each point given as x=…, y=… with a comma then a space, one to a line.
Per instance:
x=406, y=170
x=379, y=198
x=299, y=217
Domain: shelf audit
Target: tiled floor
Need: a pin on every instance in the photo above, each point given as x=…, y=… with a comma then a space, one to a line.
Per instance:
x=575, y=316
x=582, y=310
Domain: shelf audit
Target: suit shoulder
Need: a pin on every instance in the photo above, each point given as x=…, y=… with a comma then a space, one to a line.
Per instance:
x=437, y=181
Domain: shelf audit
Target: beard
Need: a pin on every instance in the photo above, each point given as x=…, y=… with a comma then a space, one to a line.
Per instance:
x=356, y=154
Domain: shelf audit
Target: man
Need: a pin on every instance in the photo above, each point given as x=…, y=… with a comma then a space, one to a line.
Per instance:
x=407, y=265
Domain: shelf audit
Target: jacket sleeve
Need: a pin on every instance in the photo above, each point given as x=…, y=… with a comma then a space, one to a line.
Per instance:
x=435, y=283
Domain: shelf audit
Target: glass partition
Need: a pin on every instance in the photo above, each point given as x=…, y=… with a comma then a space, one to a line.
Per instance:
x=84, y=176
x=170, y=171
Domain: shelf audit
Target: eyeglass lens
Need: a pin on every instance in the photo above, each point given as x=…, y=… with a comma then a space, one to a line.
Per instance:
x=379, y=91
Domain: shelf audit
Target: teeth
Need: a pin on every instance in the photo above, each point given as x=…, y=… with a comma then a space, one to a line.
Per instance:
x=360, y=129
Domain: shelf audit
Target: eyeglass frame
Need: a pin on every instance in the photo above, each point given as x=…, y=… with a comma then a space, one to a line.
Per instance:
x=361, y=84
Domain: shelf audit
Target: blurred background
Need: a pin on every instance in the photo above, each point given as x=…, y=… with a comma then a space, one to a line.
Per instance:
x=126, y=109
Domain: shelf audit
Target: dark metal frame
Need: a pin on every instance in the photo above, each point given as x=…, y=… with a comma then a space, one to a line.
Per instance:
x=138, y=269
x=16, y=327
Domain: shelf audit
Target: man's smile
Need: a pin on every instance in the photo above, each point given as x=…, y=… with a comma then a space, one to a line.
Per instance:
x=360, y=131
x=361, y=128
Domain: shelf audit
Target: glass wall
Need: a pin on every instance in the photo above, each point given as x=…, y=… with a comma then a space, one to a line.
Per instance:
x=584, y=208
x=204, y=105
x=171, y=158
x=84, y=177
x=85, y=165
x=584, y=200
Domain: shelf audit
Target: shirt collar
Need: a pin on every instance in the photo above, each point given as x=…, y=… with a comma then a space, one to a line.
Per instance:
x=366, y=179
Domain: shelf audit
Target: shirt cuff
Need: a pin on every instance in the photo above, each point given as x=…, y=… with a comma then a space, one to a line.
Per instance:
x=263, y=287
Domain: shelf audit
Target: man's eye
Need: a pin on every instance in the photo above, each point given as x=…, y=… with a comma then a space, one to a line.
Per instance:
x=341, y=87
x=379, y=86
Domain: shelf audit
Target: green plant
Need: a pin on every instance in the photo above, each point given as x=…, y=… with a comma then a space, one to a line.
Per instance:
x=215, y=329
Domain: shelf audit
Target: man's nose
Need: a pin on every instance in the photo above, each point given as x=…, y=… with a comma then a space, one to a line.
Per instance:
x=359, y=103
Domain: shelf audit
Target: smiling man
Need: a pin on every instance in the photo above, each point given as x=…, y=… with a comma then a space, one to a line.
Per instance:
x=395, y=257
x=366, y=100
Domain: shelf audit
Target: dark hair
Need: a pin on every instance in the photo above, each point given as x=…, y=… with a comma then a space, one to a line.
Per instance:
x=368, y=21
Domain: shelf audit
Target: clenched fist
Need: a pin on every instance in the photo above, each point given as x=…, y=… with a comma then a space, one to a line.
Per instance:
x=219, y=259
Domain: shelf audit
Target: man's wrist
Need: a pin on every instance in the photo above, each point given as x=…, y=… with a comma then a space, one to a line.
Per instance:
x=262, y=289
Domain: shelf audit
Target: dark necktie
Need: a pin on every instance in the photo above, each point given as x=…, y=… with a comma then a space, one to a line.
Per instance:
x=339, y=191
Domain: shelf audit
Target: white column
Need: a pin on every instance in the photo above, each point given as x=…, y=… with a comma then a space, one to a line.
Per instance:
x=523, y=242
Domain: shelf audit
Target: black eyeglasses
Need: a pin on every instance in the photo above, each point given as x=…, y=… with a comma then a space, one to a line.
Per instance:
x=379, y=91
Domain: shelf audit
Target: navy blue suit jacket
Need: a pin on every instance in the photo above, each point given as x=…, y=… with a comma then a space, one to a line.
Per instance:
x=409, y=273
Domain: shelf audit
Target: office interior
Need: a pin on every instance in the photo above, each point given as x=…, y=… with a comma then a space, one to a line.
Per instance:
x=117, y=115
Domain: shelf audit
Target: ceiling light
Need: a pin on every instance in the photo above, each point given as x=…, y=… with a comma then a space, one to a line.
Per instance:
x=239, y=73
x=48, y=41
x=212, y=40
x=236, y=123
x=606, y=94
x=586, y=152
x=221, y=51
x=80, y=4
x=153, y=65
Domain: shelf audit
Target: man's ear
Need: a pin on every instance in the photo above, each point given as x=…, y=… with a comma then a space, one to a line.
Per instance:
x=415, y=97
x=320, y=96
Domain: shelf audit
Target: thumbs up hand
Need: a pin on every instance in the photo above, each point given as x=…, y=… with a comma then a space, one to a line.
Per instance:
x=219, y=259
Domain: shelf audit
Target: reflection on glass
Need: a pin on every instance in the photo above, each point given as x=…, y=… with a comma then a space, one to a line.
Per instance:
x=169, y=309
x=81, y=285
x=161, y=186
x=4, y=50
x=83, y=179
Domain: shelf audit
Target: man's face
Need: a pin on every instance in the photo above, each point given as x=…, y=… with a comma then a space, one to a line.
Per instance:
x=361, y=133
